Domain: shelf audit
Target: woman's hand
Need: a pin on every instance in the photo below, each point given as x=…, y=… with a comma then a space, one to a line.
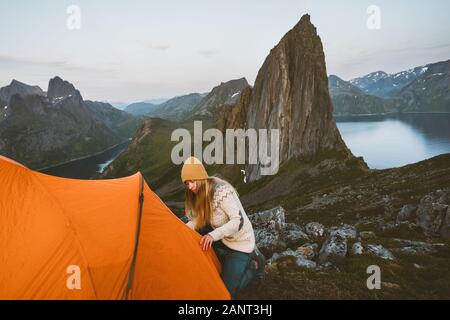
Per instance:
x=206, y=242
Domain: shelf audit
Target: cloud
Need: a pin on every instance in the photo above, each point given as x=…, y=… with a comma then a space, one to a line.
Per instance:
x=8, y=59
x=159, y=47
x=208, y=53
x=64, y=65
x=386, y=56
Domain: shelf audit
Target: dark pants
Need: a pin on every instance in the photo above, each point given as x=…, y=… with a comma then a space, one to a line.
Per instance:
x=237, y=269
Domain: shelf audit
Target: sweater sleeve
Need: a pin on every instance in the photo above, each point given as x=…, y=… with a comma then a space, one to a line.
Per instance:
x=191, y=223
x=227, y=202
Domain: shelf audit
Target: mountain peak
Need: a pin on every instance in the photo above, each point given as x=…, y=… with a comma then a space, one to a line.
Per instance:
x=334, y=77
x=59, y=88
x=293, y=83
x=226, y=93
x=17, y=87
x=15, y=82
x=305, y=20
x=305, y=25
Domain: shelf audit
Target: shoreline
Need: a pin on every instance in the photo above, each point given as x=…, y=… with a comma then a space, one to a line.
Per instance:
x=82, y=158
x=388, y=113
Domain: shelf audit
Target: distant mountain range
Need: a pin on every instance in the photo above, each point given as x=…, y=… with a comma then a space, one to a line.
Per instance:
x=421, y=89
x=348, y=99
x=156, y=101
x=386, y=85
x=194, y=105
x=178, y=108
x=140, y=108
x=43, y=129
x=118, y=105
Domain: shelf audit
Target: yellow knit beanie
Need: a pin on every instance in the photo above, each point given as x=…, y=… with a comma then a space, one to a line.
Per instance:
x=193, y=169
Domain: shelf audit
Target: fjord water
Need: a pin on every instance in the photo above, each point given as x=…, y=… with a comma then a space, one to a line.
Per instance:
x=395, y=140
x=88, y=167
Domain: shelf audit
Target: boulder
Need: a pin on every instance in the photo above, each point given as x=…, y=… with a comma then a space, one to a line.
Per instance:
x=334, y=249
x=315, y=229
x=300, y=259
x=416, y=247
x=275, y=217
x=433, y=214
x=269, y=241
x=390, y=285
x=273, y=234
x=407, y=213
x=309, y=251
x=357, y=249
x=346, y=231
x=380, y=251
x=305, y=263
x=367, y=235
x=293, y=235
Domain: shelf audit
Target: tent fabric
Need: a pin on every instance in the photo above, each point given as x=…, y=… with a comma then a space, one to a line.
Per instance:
x=48, y=224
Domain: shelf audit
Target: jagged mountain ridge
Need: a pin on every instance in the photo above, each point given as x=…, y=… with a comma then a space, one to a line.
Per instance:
x=42, y=131
x=224, y=94
x=428, y=93
x=386, y=85
x=420, y=89
x=17, y=87
x=351, y=100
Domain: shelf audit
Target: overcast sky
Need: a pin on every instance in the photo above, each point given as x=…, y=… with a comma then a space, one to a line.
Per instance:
x=141, y=49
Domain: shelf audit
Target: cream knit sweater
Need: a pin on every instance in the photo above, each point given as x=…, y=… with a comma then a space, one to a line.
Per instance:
x=229, y=220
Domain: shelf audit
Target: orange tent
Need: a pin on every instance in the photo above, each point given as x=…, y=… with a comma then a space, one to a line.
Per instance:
x=96, y=239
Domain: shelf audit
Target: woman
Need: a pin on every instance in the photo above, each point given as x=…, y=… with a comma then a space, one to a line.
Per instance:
x=213, y=208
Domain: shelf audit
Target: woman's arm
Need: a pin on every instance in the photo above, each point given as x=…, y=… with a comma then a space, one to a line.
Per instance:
x=191, y=223
x=229, y=204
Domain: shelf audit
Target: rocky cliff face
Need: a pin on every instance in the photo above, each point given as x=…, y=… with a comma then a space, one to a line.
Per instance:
x=235, y=116
x=17, y=87
x=58, y=89
x=225, y=93
x=291, y=94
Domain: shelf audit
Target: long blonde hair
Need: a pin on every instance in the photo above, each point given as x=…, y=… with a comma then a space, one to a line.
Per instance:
x=199, y=206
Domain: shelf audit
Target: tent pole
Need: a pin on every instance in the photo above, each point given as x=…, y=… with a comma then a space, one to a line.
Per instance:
x=133, y=262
